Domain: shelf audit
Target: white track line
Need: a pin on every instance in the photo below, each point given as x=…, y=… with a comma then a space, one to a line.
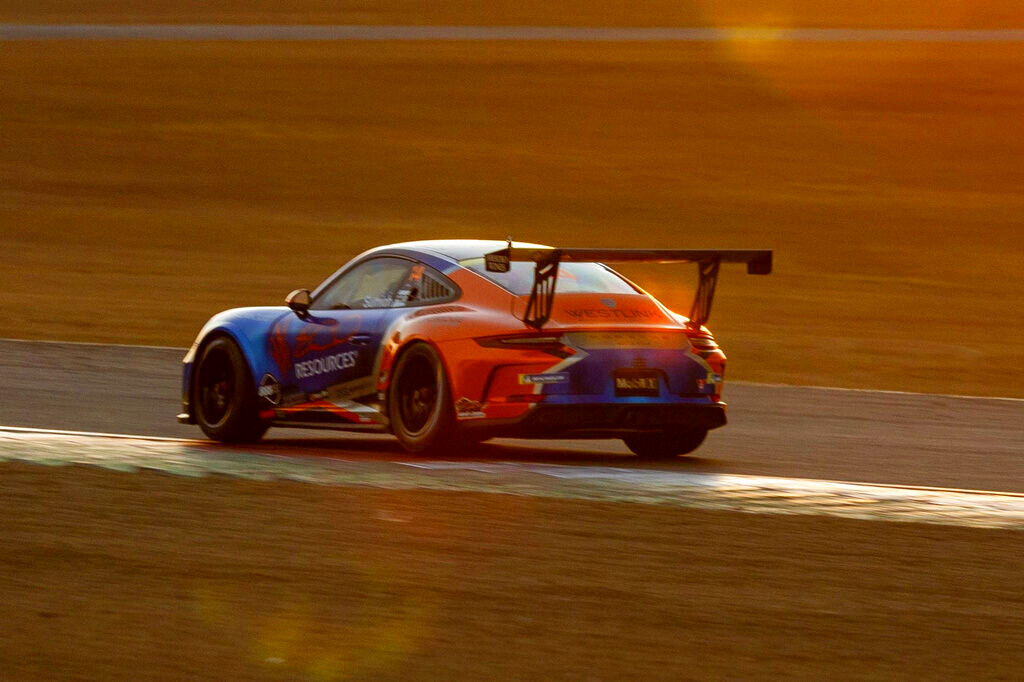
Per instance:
x=723, y=492
x=52, y=342
x=557, y=470
x=97, y=434
x=881, y=391
x=570, y=471
x=333, y=32
x=720, y=492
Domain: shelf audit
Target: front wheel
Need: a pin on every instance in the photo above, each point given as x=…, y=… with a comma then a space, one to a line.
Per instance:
x=665, y=445
x=420, y=405
x=224, y=396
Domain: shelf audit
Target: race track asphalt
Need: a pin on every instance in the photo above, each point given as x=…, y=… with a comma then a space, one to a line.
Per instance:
x=804, y=432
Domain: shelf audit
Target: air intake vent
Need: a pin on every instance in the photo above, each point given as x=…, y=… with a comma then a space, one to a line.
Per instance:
x=433, y=290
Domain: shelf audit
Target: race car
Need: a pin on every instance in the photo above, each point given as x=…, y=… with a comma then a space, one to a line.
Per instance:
x=449, y=342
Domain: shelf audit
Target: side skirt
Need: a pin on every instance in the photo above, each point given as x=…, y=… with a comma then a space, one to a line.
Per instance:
x=338, y=426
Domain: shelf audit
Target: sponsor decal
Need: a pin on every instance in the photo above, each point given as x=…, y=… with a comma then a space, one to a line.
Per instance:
x=330, y=363
x=710, y=382
x=279, y=349
x=637, y=383
x=269, y=389
x=599, y=314
x=312, y=337
x=465, y=408
x=350, y=390
x=320, y=336
x=544, y=378
x=497, y=262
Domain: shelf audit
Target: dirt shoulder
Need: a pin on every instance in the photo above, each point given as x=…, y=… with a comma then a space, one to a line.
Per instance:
x=133, y=175
x=107, y=572
x=852, y=13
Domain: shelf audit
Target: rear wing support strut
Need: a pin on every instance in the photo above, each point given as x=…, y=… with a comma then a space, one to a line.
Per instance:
x=700, y=311
x=542, y=294
x=546, y=261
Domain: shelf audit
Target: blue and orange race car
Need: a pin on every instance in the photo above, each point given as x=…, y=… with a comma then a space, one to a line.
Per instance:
x=447, y=342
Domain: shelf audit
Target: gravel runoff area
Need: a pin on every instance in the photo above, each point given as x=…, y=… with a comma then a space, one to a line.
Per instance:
x=172, y=577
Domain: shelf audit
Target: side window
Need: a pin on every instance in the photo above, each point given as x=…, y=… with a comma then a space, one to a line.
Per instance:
x=371, y=284
x=424, y=286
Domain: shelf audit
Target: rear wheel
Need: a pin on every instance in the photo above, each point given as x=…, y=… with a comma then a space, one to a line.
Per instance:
x=665, y=445
x=224, y=396
x=420, y=405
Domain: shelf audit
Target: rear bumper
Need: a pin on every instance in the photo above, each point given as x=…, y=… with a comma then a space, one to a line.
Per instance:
x=603, y=421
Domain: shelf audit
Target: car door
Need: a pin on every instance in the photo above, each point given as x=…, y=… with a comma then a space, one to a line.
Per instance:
x=332, y=351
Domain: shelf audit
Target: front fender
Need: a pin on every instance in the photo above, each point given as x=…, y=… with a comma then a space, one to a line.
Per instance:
x=248, y=327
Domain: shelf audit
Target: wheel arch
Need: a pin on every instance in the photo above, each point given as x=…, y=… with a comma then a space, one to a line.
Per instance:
x=396, y=355
x=204, y=340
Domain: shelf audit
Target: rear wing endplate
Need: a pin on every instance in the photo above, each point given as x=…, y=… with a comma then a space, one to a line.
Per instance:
x=546, y=261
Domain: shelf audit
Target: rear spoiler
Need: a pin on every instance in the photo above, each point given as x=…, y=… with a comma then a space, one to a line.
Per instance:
x=546, y=260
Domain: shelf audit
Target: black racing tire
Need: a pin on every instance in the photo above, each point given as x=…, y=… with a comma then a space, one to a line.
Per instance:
x=665, y=445
x=223, y=395
x=420, y=402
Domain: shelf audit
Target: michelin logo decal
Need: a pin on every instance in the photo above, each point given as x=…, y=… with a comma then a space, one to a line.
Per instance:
x=545, y=378
x=270, y=389
x=330, y=363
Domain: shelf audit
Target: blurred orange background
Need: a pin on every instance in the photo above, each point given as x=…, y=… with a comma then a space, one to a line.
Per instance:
x=146, y=185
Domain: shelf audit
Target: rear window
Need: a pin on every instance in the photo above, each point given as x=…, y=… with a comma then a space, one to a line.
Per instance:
x=582, y=278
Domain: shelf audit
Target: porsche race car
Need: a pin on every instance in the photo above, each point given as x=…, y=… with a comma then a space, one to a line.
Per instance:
x=447, y=342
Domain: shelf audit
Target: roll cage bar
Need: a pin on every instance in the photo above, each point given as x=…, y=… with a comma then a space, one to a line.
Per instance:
x=546, y=261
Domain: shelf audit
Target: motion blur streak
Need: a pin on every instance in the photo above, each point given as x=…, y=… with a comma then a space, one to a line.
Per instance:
x=753, y=494
x=518, y=33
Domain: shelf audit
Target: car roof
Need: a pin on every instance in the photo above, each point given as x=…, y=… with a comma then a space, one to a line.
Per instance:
x=460, y=249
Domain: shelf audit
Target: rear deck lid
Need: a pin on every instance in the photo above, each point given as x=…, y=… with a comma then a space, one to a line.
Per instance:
x=603, y=310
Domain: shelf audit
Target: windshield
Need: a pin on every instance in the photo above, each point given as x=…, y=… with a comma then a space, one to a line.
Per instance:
x=590, y=278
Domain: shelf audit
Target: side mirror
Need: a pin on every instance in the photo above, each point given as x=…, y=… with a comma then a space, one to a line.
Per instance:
x=299, y=302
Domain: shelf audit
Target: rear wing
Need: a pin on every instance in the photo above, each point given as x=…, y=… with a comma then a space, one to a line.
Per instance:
x=546, y=260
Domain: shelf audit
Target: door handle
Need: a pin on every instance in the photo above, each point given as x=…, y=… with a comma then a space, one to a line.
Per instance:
x=361, y=339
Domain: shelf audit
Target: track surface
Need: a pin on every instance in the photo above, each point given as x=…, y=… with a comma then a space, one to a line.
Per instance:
x=906, y=439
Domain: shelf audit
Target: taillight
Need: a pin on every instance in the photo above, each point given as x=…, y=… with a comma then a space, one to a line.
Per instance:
x=546, y=344
x=703, y=344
